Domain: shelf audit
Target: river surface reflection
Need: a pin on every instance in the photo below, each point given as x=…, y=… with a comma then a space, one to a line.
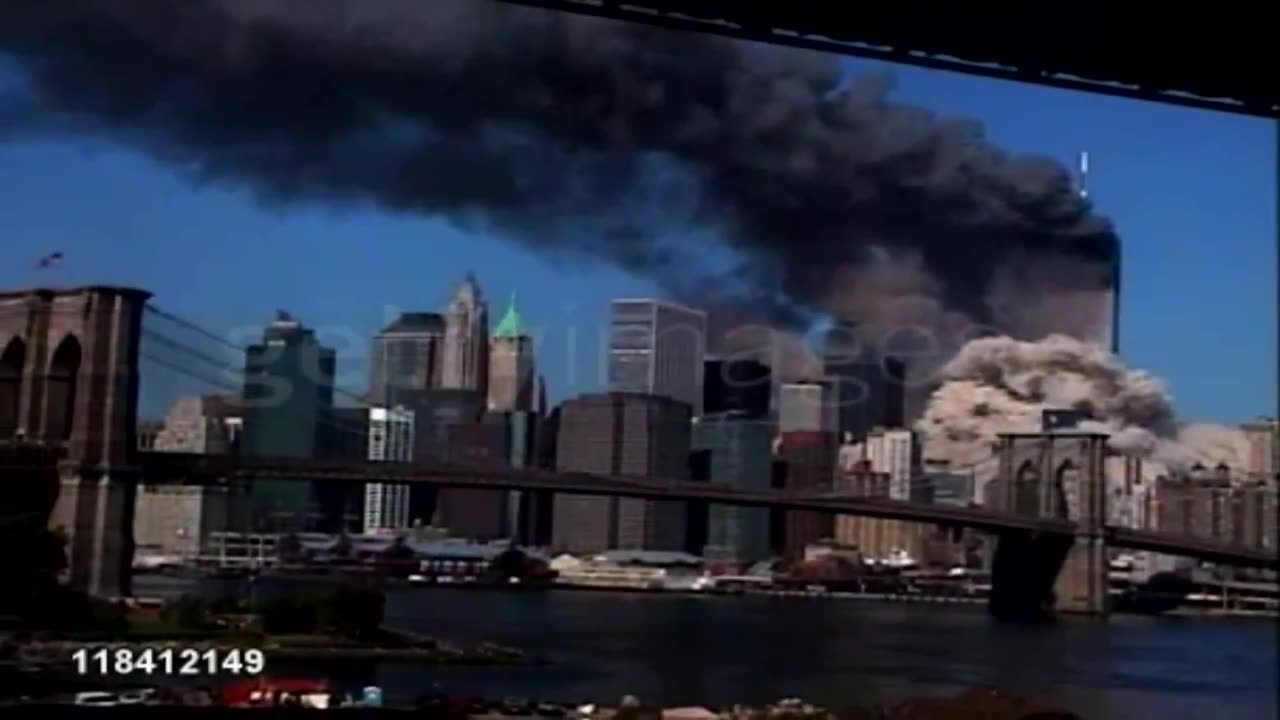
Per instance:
x=720, y=650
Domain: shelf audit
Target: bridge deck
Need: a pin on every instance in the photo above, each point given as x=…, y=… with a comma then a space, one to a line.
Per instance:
x=167, y=468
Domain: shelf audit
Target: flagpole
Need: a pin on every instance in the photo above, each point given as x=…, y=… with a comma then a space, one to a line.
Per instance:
x=52, y=261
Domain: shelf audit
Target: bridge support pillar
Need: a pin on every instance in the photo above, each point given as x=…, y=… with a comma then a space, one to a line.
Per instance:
x=1024, y=572
x=94, y=510
x=1082, y=583
x=79, y=402
x=1034, y=576
x=1058, y=477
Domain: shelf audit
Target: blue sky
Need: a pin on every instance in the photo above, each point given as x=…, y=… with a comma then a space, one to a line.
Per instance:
x=1192, y=193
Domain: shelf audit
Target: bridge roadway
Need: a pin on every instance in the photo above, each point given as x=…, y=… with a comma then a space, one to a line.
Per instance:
x=182, y=468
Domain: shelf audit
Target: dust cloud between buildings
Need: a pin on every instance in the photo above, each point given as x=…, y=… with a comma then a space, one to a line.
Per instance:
x=595, y=140
x=1000, y=385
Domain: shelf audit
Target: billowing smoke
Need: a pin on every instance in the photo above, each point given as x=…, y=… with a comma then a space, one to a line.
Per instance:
x=1000, y=385
x=584, y=137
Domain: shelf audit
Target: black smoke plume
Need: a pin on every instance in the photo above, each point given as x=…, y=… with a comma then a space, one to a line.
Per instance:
x=594, y=138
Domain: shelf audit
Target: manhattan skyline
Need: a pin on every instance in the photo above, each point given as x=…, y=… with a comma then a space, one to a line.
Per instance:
x=1191, y=193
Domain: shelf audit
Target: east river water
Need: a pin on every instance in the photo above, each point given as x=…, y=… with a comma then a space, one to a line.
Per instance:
x=675, y=649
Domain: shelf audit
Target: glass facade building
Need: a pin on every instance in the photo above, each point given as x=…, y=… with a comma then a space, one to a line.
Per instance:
x=657, y=348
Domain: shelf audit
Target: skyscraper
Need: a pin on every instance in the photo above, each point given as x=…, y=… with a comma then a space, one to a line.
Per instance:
x=288, y=398
x=657, y=348
x=176, y=518
x=627, y=434
x=811, y=466
x=540, y=406
x=391, y=435
x=528, y=511
x=466, y=343
x=740, y=453
x=1263, y=436
x=869, y=388
x=475, y=513
x=896, y=453
x=406, y=355
x=739, y=386
x=434, y=411
x=884, y=465
x=511, y=365
x=808, y=406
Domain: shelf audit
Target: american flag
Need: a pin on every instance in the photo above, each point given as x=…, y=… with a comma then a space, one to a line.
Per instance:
x=52, y=260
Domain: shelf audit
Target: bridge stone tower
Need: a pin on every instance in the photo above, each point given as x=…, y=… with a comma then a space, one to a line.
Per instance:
x=1054, y=476
x=69, y=382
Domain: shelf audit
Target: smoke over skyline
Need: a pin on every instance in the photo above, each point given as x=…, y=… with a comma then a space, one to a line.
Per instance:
x=586, y=138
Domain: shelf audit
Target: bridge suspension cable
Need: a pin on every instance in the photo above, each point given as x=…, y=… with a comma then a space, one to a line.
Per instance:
x=221, y=375
x=227, y=376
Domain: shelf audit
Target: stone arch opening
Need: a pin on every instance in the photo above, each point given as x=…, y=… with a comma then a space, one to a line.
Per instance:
x=12, y=361
x=60, y=387
x=1026, y=489
x=1066, y=483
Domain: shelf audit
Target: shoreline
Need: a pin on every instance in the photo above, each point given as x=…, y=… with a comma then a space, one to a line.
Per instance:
x=1185, y=611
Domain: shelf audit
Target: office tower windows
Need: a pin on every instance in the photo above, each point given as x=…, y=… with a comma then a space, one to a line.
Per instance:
x=435, y=411
x=288, y=397
x=475, y=513
x=657, y=348
x=621, y=434
x=739, y=454
x=176, y=519
x=466, y=340
x=811, y=465
x=808, y=406
x=512, y=381
x=391, y=435
x=406, y=355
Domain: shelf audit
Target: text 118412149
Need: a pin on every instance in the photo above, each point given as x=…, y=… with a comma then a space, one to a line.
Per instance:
x=124, y=661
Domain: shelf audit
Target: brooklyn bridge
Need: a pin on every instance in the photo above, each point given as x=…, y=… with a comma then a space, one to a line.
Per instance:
x=72, y=361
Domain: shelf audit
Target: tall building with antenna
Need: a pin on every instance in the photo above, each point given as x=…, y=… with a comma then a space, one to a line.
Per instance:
x=1113, y=291
x=1084, y=174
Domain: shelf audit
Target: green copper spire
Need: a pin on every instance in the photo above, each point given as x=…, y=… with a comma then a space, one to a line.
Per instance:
x=509, y=325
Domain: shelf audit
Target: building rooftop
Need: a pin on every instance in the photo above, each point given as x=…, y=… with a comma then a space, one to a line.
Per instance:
x=468, y=292
x=509, y=326
x=57, y=291
x=655, y=301
x=416, y=322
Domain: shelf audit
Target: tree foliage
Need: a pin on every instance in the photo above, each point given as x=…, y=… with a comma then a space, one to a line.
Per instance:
x=290, y=548
x=292, y=615
x=349, y=611
x=353, y=612
x=189, y=612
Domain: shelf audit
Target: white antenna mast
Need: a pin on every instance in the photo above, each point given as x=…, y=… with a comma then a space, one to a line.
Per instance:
x=1084, y=174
